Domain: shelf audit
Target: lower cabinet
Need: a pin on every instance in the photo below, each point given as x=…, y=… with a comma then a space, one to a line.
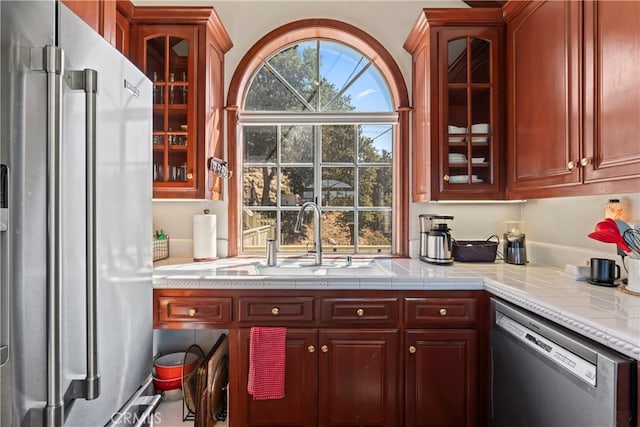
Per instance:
x=374, y=358
x=441, y=371
x=332, y=378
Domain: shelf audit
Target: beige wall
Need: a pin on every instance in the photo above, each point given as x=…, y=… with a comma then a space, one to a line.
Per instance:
x=556, y=228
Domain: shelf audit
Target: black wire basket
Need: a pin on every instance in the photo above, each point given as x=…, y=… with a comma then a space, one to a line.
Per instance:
x=475, y=250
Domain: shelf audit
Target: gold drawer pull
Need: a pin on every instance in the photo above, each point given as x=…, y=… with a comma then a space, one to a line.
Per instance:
x=571, y=165
x=360, y=312
x=445, y=178
x=324, y=348
x=192, y=312
x=585, y=161
x=311, y=349
x=443, y=312
x=275, y=311
x=412, y=349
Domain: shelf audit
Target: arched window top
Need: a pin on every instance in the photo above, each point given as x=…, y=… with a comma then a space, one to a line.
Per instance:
x=318, y=75
x=328, y=30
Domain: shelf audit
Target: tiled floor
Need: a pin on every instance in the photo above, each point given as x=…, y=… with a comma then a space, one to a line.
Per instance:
x=169, y=414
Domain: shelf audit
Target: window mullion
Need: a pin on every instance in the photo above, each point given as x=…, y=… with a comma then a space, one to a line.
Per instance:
x=356, y=190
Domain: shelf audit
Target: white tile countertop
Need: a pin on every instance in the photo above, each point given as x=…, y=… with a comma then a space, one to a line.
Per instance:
x=606, y=315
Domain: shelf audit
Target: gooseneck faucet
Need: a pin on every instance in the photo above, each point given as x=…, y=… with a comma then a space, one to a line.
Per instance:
x=317, y=229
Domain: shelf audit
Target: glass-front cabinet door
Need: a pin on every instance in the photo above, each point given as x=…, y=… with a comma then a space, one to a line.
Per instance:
x=168, y=62
x=470, y=152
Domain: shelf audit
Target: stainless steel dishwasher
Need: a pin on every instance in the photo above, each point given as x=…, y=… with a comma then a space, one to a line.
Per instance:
x=546, y=376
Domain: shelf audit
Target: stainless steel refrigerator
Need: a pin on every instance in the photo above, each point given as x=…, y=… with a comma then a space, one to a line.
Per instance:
x=75, y=222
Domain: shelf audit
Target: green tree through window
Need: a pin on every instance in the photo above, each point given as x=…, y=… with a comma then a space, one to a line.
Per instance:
x=317, y=125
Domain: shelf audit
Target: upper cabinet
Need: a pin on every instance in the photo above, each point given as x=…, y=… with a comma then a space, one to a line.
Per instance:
x=98, y=14
x=457, y=98
x=573, y=119
x=182, y=51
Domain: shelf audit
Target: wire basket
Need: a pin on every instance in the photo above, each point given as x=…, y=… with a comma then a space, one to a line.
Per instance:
x=475, y=250
x=160, y=249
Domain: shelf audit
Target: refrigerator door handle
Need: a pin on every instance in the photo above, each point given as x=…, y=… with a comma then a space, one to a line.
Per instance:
x=89, y=387
x=4, y=266
x=50, y=59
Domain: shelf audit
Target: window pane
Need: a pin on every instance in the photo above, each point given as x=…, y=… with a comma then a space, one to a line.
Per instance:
x=289, y=240
x=375, y=144
x=255, y=182
x=297, y=144
x=457, y=52
x=266, y=93
x=257, y=227
x=260, y=144
x=375, y=186
x=337, y=186
x=296, y=186
x=481, y=52
x=298, y=65
x=338, y=143
x=337, y=231
x=374, y=232
x=368, y=93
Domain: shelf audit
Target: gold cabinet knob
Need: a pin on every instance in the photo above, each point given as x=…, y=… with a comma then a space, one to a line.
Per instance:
x=360, y=312
x=192, y=312
x=443, y=312
x=445, y=178
x=275, y=311
x=412, y=349
x=324, y=348
x=571, y=165
x=311, y=349
x=585, y=161
x=189, y=175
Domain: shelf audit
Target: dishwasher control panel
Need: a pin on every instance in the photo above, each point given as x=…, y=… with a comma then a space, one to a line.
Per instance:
x=573, y=363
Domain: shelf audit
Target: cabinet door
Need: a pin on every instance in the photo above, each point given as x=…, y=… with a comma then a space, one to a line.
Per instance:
x=441, y=370
x=543, y=71
x=471, y=125
x=358, y=381
x=98, y=14
x=167, y=55
x=612, y=91
x=298, y=408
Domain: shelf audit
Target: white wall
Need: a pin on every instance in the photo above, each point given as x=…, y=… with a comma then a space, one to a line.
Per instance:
x=556, y=228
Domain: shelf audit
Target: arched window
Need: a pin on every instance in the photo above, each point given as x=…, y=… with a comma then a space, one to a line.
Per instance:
x=319, y=119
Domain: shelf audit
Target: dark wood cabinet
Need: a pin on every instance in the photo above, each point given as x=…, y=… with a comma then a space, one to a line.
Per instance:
x=543, y=71
x=441, y=378
x=182, y=51
x=358, y=378
x=443, y=361
x=573, y=110
x=353, y=357
x=612, y=94
x=298, y=407
x=98, y=14
x=458, y=81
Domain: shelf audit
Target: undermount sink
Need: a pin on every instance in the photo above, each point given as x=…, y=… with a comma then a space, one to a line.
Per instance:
x=328, y=268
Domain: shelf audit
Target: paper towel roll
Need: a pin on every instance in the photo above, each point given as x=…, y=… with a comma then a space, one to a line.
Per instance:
x=204, y=237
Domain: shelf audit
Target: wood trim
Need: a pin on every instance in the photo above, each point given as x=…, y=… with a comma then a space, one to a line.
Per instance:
x=344, y=33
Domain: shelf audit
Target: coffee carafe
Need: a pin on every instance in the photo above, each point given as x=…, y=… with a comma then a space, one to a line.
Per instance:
x=514, y=250
x=435, y=239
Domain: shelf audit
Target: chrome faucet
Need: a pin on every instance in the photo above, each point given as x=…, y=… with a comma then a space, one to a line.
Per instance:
x=317, y=229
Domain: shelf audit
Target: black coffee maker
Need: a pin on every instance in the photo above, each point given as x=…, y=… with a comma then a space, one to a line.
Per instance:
x=435, y=239
x=514, y=250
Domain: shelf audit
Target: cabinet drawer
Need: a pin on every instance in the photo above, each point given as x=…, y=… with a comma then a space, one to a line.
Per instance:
x=441, y=311
x=204, y=310
x=275, y=309
x=359, y=310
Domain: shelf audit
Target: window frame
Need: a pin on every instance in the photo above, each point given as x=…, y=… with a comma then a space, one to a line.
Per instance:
x=342, y=33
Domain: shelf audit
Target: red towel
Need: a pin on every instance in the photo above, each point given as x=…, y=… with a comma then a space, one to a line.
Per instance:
x=267, y=349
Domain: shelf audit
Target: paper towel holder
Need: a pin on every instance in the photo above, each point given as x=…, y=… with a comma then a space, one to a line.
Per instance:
x=219, y=167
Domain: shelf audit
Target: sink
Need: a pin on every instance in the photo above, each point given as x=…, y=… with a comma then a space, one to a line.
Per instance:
x=335, y=268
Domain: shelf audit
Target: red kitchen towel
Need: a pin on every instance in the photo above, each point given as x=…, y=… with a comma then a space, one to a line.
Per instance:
x=267, y=349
